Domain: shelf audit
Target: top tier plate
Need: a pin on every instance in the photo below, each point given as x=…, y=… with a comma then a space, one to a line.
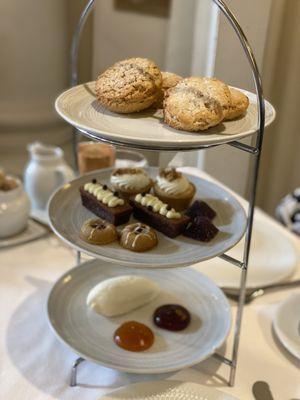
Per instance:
x=146, y=129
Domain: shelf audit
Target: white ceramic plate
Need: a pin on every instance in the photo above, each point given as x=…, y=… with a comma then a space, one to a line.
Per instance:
x=91, y=335
x=273, y=258
x=287, y=324
x=67, y=215
x=33, y=231
x=167, y=390
x=79, y=107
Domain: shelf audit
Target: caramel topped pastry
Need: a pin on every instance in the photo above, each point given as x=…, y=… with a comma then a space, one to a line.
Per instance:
x=173, y=188
x=138, y=237
x=130, y=181
x=98, y=231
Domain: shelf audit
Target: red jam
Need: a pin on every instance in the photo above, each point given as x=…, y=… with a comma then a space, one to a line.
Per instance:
x=134, y=336
x=172, y=317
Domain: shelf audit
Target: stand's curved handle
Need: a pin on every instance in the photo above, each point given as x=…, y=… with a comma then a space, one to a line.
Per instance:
x=76, y=39
x=255, y=71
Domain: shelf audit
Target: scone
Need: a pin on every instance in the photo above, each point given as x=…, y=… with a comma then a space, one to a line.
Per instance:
x=169, y=80
x=187, y=108
x=218, y=90
x=129, y=85
x=173, y=188
x=130, y=181
x=239, y=104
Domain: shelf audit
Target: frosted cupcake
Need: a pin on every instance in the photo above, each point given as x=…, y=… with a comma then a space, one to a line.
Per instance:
x=131, y=181
x=173, y=188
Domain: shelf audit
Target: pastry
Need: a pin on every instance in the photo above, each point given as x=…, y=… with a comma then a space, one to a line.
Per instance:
x=134, y=336
x=173, y=188
x=138, y=237
x=239, y=104
x=104, y=203
x=130, y=181
x=161, y=216
x=172, y=317
x=200, y=209
x=121, y=295
x=188, y=108
x=169, y=80
x=218, y=90
x=202, y=229
x=98, y=231
x=129, y=86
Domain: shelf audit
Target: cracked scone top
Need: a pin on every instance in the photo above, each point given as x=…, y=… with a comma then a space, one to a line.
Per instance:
x=188, y=108
x=129, y=86
x=218, y=90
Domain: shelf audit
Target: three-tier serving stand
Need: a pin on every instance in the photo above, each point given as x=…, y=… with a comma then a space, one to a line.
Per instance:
x=254, y=150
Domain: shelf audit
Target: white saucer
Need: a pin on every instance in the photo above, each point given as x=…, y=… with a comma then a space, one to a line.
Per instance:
x=286, y=324
x=33, y=231
x=273, y=258
x=167, y=390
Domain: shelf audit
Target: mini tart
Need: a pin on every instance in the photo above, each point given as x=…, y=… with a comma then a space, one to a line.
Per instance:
x=138, y=237
x=130, y=181
x=98, y=231
x=173, y=188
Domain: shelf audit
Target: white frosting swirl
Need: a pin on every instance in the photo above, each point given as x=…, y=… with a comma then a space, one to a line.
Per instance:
x=131, y=181
x=173, y=187
x=157, y=206
x=106, y=196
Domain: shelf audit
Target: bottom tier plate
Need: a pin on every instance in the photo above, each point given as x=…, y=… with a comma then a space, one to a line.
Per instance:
x=91, y=335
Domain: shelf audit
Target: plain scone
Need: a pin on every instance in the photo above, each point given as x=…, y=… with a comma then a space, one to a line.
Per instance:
x=129, y=86
x=187, y=108
x=239, y=104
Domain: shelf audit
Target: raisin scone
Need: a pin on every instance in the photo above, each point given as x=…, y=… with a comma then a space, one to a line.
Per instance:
x=239, y=104
x=188, y=108
x=218, y=90
x=169, y=80
x=129, y=86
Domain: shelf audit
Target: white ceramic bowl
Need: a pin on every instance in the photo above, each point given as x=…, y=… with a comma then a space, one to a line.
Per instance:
x=14, y=210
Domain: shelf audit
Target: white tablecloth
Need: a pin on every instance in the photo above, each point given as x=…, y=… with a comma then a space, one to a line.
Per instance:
x=34, y=364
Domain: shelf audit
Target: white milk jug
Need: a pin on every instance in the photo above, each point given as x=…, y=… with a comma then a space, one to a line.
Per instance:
x=45, y=172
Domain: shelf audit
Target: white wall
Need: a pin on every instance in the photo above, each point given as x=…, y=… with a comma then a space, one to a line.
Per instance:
x=225, y=163
x=33, y=70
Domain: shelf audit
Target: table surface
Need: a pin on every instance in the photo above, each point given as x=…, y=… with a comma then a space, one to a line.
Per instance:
x=34, y=364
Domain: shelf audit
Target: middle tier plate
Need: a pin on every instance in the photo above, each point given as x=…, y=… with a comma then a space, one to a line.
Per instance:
x=66, y=215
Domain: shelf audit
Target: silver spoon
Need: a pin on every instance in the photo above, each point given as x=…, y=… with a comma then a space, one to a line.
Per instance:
x=252, y=294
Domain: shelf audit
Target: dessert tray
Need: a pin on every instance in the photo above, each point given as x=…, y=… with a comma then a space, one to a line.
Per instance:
x=66, y=215
x=91, y=335
x=79, y=107
x=163, y=390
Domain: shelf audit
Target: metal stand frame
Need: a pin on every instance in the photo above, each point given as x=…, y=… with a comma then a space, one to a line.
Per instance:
x=255, y=151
